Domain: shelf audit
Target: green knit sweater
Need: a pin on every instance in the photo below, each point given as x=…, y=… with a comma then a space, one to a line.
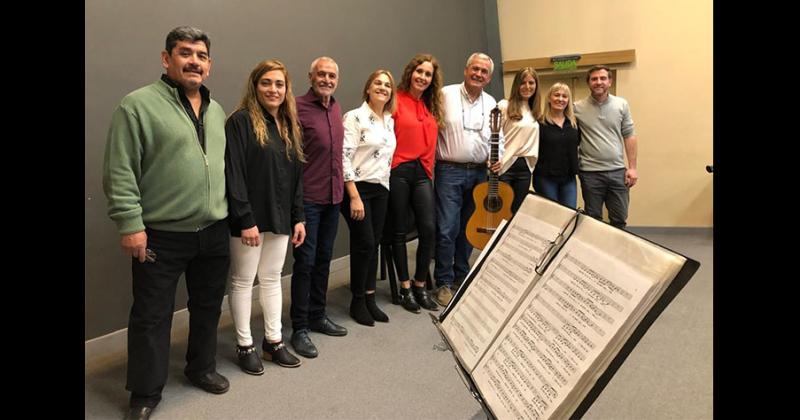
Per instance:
x=155, y=172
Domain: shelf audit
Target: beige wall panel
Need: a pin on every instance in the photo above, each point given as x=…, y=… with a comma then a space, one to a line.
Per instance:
x=669, y=87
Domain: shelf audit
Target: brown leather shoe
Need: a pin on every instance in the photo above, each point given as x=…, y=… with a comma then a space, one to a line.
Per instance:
x=443, y=295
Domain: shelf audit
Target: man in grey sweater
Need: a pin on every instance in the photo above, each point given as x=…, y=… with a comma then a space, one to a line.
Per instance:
x=606, y=129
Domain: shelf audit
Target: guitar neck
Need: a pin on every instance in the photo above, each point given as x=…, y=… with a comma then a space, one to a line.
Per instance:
x=494, y=151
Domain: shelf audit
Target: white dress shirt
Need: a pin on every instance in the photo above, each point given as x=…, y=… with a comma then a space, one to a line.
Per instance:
x=466, y=133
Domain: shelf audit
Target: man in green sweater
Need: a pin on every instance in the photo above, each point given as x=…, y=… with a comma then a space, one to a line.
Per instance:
x=164, y=179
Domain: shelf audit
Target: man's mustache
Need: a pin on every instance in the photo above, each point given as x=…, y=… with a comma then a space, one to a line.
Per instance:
x=193, y=69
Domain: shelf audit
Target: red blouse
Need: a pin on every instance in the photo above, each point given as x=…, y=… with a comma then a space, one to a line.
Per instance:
x=416, y=130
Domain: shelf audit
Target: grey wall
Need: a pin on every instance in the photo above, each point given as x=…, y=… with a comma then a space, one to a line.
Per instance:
x=123, y=41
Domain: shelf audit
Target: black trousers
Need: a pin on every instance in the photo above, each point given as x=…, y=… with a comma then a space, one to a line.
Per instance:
x=204, y=257
x=412, y=190
x=365, y=235
x=518, y=176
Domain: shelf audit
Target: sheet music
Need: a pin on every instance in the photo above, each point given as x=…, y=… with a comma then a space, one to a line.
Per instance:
x=485, y=250
x=537, y=345
x=507, y=273
x=559, y=331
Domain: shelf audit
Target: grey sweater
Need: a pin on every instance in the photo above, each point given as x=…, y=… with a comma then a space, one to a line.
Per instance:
x=603, y=126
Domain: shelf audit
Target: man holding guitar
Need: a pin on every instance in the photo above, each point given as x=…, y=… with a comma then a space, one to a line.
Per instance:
x=462, y=151
x=492, y=199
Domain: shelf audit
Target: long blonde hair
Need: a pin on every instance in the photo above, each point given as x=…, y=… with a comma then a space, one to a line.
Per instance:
x=568, y=112
x=290, y=131
x=515, y=100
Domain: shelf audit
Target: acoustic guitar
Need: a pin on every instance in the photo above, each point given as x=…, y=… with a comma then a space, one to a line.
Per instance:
x=493, y=198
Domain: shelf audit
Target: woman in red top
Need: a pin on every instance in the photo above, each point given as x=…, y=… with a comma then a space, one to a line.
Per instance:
x=419, y=115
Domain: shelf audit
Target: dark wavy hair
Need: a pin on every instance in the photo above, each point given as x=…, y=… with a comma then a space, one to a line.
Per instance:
x=433, y=94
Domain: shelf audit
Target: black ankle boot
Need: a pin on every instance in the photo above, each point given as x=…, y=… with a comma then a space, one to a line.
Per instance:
x=359, y=312
x=248, y=360
x=374, y=310
x=278, y=353
x=424, y=299
x=407, y=300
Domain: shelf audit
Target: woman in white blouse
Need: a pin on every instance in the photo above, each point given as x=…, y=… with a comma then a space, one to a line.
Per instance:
x=369, y=143
x=521, y=131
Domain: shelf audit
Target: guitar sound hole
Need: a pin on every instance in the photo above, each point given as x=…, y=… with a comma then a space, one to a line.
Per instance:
x=493, y=205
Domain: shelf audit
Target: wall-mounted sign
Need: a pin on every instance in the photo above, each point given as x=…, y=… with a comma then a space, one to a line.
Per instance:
x=565, y=62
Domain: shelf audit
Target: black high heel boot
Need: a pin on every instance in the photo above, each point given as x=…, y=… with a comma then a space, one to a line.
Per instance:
x=359, y=312
x=374, y=310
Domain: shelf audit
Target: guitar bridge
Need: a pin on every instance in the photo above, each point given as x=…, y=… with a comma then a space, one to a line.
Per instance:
x=486, y=229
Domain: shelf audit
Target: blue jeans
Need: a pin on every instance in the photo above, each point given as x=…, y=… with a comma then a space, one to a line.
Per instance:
x=606, y=187
x=453, y=186
x=563, y=189
x=312, y=264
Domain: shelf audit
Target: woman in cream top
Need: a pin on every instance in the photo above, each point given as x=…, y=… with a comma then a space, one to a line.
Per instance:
x=521, y=134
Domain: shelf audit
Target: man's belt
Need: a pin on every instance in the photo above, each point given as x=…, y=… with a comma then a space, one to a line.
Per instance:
x=465, y=165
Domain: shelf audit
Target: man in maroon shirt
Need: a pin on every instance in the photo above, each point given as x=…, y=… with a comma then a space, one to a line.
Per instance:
x=323, y=186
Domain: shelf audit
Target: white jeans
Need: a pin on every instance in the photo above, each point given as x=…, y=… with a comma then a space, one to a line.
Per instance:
x=265, y=261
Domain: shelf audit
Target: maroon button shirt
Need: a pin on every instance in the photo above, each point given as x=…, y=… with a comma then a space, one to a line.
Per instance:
x=323, y=137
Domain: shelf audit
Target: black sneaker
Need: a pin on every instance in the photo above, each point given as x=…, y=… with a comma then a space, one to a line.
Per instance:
x=278, y=353
x=407, y=301
x=424, y=299
x=249, y=360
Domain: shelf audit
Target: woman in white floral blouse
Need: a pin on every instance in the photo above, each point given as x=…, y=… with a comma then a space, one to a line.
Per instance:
x=369, y=144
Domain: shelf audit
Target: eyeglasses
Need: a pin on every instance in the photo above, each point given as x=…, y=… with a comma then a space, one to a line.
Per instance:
x=472, y=127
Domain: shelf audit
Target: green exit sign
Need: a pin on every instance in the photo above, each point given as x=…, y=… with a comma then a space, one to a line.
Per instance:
x=565, y=65
x=565, y=62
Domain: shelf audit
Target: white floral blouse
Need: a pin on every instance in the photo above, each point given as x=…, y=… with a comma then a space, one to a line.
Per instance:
x=368, y=146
